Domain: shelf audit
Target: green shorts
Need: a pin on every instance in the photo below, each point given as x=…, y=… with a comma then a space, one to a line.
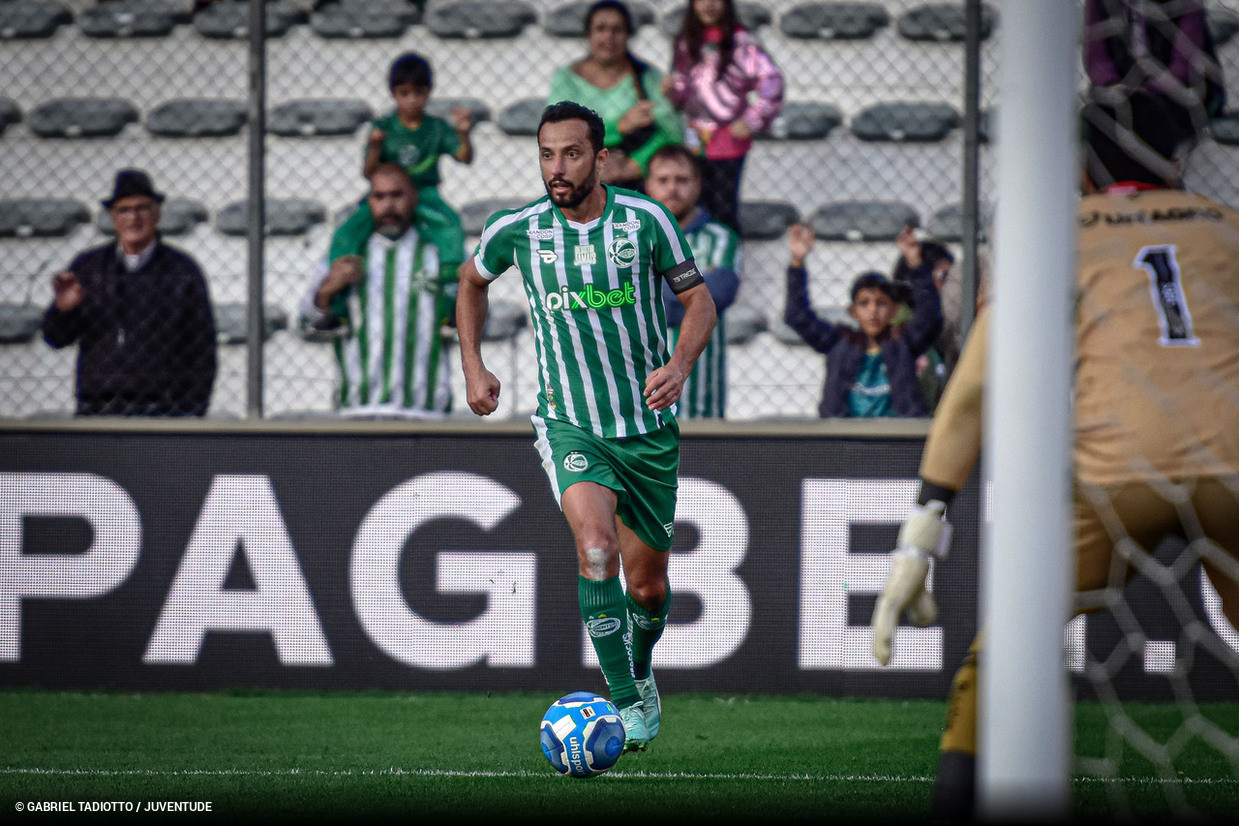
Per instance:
x=642, y=470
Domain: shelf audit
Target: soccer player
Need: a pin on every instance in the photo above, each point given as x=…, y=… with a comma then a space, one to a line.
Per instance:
x=674, y=181
x=1156, y=421
x=593, y=259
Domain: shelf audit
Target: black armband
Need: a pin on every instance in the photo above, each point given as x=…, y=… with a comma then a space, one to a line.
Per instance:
x=684, y=276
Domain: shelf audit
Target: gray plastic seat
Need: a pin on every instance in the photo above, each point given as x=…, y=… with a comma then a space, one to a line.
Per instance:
x=283, y=217
x=232, y=322
x=569, y=20
x=947, y=223
x=32, y=19
x=522, y=117
x=862, y=220
x=474, y=19
x=920, y=122
x=942, y=23
x=10, y=113
x=177, y=216
x=743, y=323
x=1225, y=128
x=82, y=118
x=129, y=18
x=765, y=220
x=317, y=118
x=751, y=15
x=473, y=215
x=834, y=21
x=41, y=218
x=442, y=108
x=197, y=118
x=359, y=20
x=1222, y=25
x=803, y=122
x=230, y=19
x=20, y=323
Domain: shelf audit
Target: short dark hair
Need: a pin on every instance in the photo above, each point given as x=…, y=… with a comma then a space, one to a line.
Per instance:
x=614, y=5
x=1128, y=140
x=410, y=68
x=874, y=281
x=571, y=110
x=931, y=253
x=676, y=152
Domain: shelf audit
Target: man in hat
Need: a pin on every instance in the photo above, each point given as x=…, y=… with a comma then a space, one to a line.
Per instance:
x=140, y=313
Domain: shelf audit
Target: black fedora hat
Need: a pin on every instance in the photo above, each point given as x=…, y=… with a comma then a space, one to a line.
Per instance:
x=132, y=182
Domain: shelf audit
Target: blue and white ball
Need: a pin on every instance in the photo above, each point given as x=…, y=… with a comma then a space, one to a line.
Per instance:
x=582, y=734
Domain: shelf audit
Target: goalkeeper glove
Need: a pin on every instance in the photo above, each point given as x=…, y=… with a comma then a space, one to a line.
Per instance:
x=924, y=533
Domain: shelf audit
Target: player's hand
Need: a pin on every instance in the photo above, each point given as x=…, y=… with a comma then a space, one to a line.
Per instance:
x=920, y=537
x=482, y=391
x=68, y=291
x=799, y=243
x=462, y=119
x=664, y=385
x=909, y=245
x=638, y=116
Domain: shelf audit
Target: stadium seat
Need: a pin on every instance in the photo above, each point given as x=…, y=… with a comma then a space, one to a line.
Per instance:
x=942, y=22
x=522, y=117
x=177, y=217
x=786, y=335
x=370, y=20
x=472, y=19
x=569, y=20
x=862, y=220
x=1225, y=128
x=82, y=117
x=197, y=118
x=19, y=323
x=473, y=216
x=10, y=113
x=947, y=224
x=1222, y=25
x=834, y=21
x=41, y=218
x=803, y=122
x=743, y=323
x=765, y=220
x=905, y=122
x=230, y=19
x=442, y=108
x=32, y=19
x=232, y=322
x=410, y=11
x=130, y=18
x=283, y=217
x=751, y=15
x=317, y=118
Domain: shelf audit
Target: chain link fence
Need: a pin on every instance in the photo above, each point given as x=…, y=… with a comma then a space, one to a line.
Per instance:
x=872, y=135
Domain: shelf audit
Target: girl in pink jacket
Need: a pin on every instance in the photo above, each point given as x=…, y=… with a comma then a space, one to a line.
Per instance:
x=728, y=89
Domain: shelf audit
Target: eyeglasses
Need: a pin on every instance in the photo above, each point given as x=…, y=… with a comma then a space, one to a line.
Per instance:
x=140, y=209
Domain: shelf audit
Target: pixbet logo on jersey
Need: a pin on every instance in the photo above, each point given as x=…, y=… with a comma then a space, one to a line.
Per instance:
x=590, y=298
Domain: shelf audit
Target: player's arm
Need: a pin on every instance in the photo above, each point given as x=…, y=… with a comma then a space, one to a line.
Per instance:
x=472, y=304
x=462, y=124
x=951, y=452
x=664, y=385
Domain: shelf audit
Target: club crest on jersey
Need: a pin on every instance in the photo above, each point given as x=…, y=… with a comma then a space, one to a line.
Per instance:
x=622, y=252
x=548, y=256
x=584, y=255
x=576, y=462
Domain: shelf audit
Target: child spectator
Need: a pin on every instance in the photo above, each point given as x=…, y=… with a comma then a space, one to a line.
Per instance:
x=728, y=89
x=934, y=366
x=871, y=371
x=411, y=138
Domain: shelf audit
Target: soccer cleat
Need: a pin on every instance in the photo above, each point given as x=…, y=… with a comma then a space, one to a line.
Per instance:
x=636, y=735
x=653, y=705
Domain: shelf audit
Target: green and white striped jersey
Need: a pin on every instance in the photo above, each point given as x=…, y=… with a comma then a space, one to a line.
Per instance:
x=715, y=246
x=595, y=299
x=392, y=358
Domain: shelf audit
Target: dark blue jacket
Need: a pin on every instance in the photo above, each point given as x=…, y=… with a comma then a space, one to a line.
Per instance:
x=845, y=347
x=146, y=339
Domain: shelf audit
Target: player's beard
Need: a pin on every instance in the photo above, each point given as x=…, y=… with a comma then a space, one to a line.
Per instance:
x=576, y=194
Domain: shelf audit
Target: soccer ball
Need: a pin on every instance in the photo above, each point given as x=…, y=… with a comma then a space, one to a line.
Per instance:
x=582, y=734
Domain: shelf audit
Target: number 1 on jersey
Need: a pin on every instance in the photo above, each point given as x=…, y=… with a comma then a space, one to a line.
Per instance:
x=1166, y=289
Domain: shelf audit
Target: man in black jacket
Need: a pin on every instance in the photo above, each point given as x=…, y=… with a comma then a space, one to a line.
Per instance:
x=140, y=313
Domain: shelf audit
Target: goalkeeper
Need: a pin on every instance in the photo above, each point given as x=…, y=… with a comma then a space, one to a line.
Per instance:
x=1155, y=404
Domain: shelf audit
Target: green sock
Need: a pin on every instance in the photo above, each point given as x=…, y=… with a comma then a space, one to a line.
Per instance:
x=646, y=629
x=606, y=620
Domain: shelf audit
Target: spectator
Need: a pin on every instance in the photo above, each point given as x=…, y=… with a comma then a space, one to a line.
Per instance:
x=728, y=89
x=675, y=181
x=935, y=364
x=624, y=91
x=1162, y=47
x=870, y=371
x=415, y=140
x=388, y=297
x=140, y=313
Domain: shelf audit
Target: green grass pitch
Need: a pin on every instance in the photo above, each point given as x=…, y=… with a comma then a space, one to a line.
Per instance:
x=457, y=757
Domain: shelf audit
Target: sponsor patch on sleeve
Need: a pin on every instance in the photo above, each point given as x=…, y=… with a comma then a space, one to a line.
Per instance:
x=684, y=276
